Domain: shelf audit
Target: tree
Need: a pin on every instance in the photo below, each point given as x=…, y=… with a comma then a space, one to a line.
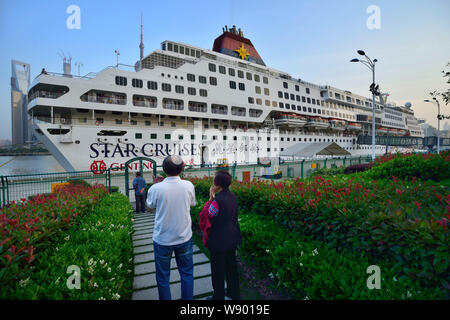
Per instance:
x=446, y=94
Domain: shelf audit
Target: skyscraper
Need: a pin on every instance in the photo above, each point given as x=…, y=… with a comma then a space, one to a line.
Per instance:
x=20, y=80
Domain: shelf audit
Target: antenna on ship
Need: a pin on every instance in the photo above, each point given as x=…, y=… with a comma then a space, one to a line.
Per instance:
x=141, y=45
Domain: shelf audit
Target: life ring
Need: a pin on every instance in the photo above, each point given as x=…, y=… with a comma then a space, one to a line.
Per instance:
x=97, y=123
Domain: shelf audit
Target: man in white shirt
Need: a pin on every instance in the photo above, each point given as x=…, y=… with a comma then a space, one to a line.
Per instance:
x=172, y=199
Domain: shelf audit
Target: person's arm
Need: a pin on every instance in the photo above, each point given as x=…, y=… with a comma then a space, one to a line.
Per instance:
x=135, y=184
x=193, y=201
x=152, y=199
x=213, y=209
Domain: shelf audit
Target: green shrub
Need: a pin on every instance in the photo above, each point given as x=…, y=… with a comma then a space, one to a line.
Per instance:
x=79, y=182
x=100, y=245
x=114, y=189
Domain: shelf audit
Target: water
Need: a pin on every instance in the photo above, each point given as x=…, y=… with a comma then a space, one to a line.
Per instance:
x=10, y=165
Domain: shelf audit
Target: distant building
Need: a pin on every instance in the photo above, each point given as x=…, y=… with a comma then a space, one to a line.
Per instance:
x=20, y=80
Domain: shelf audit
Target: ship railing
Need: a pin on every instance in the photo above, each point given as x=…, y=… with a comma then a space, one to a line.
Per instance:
x=45, y=94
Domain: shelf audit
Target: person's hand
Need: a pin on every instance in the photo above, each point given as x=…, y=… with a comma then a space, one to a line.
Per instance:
x=212, y=192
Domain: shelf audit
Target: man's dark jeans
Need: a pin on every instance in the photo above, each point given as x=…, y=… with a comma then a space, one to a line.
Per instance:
x=140, y=203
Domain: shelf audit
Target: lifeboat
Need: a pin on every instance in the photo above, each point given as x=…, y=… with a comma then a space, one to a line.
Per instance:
x=317, y=123
x=337, y=124
x=290, y=120
x=353, y=126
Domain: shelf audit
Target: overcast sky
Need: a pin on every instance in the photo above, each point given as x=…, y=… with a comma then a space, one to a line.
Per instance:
x=311, y=40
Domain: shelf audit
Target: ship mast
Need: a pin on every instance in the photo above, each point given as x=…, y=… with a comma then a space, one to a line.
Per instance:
x=141, y=45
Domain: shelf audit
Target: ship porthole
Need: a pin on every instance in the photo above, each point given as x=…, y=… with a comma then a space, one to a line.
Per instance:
x=77, y=141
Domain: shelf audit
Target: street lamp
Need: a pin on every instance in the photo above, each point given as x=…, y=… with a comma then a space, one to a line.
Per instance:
x=439, y=121
x=369, y=63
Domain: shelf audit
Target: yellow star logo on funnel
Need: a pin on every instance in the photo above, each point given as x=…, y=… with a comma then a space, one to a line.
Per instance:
x=242, y=52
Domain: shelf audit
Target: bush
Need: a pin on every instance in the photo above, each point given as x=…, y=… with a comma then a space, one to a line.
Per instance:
x=114, y=189
x=78, y=182
x=357, y=168
x=309, y=269
x=404, y=222
x=100, y=245
x=422, y=166
x=327, y=171
x=30, y=227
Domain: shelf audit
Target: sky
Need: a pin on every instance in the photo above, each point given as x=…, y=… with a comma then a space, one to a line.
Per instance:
x=311, y=40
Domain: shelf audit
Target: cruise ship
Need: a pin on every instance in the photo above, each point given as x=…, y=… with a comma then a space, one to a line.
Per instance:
x=208, y=106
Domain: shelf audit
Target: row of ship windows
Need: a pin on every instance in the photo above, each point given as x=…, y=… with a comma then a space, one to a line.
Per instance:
x=392, y=124
x=232, y=72
x=293, y=97
x=388, y=116
x=297, y=87
x=351, y=100
x=152, y=85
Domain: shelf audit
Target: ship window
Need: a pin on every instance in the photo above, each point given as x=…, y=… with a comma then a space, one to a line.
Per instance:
x=212, y=67
x=232, y=85
x=121, y=81
x=197, y=106
x=112, y=133
x=292, y=97
x=281, y=104
x=144, y=101
x=99, y=96
x=191, y=77
x=238, y=111
x=242, y=86
x=173, y=104
x=286, y=95
x=313, y=101
x=82, y=110
x=179, y=89
x=304, y=109
x=267, y=102
x=201, y=79
x=274, y=104
x=231, y=72
x=309, y=110
x=240, y=74
x=137, y=83
x=251, y=100
x=117, y=113
x=219, y=109
x=314, y=110
x=203, y=93
x=266, y=91
x=161, y=124
x=256, y=77
x=258, y=89
x=192, y=53
x=213, y=81
x=58, y=131
x=133, y=122
x=181, y=49
x=288, y=106
x=258, y=101
x=118, y=121
x=297, y=88
x=167, y=136
x=175, y=48
x=280, y=94
x=307, y=90
x=187, y=51
x=153, y=136
x=285, y=85
x=169, y=46
x=138, y=136
x=152, y=85
x=147, y=122
x=308, y=100
x=192, y=91
x=303, y=99
x=222, y=70
x=255, y=113
x=293, y=107
x=297, y=97
x=166, y=87
x=249, y=76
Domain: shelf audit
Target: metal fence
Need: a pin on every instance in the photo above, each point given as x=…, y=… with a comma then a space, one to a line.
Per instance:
x=16, y=187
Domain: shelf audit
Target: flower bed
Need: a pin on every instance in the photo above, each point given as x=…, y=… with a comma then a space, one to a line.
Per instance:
x=99, y=244
x=403, y=222
x=32, y=225
x=406, y=166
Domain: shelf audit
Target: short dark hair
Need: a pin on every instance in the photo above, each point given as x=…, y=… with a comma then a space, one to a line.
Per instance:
x=223, y=179
x=138, y=174
x=173, y=165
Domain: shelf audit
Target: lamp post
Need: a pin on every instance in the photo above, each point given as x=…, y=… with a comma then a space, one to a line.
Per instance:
x=439, y=122
x=369, y=63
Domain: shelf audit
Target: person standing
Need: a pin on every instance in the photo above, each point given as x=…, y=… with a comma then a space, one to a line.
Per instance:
x=172, y=199
x=222, y=235
x=139, y=185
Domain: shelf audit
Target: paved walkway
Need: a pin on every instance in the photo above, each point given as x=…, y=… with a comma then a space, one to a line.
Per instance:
x=144, y=284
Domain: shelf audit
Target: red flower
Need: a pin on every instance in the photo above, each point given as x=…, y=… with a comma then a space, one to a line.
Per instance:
x=418, y=204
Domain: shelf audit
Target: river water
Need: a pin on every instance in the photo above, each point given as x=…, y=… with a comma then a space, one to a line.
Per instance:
x=10, y=165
